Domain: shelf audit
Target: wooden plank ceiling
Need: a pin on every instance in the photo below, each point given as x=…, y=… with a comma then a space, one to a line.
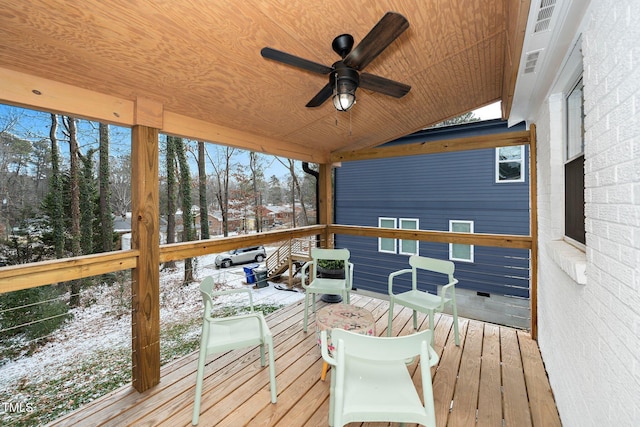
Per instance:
x=194, y=66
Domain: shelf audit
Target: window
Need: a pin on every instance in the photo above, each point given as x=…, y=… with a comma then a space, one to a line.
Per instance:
x=510, y=164
x=574, y=217
x=457, y=251
x=409, y=247
x=406, y=247
x=386, y=244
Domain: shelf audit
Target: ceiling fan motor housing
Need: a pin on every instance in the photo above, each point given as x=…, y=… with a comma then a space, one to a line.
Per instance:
x=344, y=75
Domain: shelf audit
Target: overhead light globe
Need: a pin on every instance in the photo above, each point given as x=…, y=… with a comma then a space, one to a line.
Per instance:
x=344, y=101
x=345, y=82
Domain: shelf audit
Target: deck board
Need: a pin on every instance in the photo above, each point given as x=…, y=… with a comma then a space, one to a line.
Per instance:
x=495, y=374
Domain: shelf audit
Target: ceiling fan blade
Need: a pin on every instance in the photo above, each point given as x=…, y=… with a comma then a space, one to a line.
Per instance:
x=384, y=86
x=296, y=61
x=321, y=96
x=381, y=35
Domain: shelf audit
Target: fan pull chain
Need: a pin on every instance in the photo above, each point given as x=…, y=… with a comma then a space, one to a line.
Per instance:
x=350, y=122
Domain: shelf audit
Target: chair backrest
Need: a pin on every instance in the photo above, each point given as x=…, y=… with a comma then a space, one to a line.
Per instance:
x=432, y=264
x=373, y=355
x=381, y=349
x=318, y=254
x=208, y=292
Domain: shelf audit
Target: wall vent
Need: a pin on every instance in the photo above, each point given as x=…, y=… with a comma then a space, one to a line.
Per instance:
x=531, y=60
x=544, y=15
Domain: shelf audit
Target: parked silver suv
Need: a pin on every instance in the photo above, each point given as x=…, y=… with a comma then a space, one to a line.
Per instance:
x=241, y=256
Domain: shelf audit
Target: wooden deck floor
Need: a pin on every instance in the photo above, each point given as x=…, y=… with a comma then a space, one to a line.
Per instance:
x=496, y=377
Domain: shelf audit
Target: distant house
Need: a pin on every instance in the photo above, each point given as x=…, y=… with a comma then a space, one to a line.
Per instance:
x=214, y=221
x=479, y=191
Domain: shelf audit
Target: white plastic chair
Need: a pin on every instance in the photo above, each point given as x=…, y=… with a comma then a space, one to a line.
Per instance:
x=423, y=301
x=220, y=334
x=322, y=285
x=370, y=381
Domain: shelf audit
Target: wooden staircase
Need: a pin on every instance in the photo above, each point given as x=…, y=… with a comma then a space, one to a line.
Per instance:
x=290, y=254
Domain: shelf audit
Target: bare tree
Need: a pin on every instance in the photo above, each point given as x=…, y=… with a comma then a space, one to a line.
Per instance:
x=120, y=179
x=295, y=190
x=221, y=170
x=256, y=165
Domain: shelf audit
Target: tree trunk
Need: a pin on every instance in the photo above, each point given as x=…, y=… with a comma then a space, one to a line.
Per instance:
x=171, y=197
x=57, y=219
x=74, y=183
x=106, y=218
x=202, y=176
x=187, y=217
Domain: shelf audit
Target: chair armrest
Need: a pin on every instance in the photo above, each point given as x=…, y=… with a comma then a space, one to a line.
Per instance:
x=393, y=275
x=324, y=349
x=445, y=289
x=433, y=356
x=349, y=275
x=236, y=291
x=303, y=272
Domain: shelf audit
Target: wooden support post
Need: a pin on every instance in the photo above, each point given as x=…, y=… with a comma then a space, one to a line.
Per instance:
x=325, y=208
x=145, y=284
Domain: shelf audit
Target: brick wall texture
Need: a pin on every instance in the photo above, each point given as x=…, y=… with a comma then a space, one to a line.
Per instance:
x=589, y=334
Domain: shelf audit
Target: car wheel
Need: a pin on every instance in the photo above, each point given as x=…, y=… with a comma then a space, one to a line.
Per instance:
x=226, y=263
x=259, y=258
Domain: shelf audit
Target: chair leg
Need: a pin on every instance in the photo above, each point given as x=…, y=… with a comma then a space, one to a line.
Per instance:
x=332, y=393
x=415, y=320
x=306, y=311
x=455, y=324
x=272, y=371
x=325, y=368
x=199, y=379
x=262, y=361
x=431, y=327
x=389, y=326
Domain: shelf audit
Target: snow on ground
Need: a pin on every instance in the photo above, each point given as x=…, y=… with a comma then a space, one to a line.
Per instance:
x=105, y=324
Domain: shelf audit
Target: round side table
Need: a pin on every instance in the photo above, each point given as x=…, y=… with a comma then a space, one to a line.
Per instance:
x=343, y=316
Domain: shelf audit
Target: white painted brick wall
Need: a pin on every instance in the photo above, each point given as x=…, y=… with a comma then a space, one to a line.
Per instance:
x=589, y=334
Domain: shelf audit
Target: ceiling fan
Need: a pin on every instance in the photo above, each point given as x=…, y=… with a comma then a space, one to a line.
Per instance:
x=346, y=75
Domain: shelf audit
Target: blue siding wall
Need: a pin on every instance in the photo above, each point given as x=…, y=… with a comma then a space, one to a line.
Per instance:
x=436, y=188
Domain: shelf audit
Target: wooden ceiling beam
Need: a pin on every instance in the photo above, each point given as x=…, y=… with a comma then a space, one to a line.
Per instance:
x=28, y=91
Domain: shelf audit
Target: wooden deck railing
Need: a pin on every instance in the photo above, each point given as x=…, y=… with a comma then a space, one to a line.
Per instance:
x=27, y=276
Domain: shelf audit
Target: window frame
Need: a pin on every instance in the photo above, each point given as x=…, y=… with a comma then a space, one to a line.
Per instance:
x=574, y=227
x=451, y=245
x=498, y=161
x=385, y=239
x=401, y=250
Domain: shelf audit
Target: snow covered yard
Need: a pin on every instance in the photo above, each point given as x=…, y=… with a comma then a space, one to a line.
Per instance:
x=91, y=354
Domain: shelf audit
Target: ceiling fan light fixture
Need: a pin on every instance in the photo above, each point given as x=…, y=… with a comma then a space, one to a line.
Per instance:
x=345, y=82
x=344, y=98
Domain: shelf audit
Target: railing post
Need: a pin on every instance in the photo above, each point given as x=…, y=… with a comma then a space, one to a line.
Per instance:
x=145, y=299
x=325, y=208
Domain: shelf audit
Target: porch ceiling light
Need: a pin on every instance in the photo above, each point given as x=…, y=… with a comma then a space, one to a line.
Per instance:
x=345, y=82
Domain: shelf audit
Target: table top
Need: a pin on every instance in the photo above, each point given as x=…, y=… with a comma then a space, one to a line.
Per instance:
x=345, y=316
